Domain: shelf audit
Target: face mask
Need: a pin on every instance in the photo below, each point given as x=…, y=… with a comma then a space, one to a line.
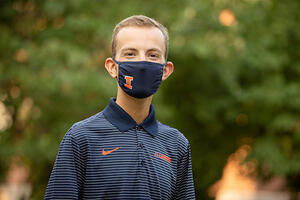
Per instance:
x=140, y=79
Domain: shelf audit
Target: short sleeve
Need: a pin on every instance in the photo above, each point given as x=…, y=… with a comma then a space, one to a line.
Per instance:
x=66, y=178
x=184, y=180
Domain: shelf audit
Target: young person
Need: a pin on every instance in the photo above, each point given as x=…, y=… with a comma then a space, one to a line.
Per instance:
x=123, y=152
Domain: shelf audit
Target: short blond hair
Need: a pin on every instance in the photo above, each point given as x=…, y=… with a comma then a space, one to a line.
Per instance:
x=139, y=21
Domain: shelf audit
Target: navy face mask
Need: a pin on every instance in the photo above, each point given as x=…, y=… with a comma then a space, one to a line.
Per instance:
x=140, y=79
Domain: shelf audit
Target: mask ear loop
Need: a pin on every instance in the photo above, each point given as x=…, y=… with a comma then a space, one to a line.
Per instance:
x=164, y=64
x=116, y=61
x=118, y=68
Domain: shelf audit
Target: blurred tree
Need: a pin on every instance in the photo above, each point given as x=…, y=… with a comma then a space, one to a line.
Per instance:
x=238, y=82
x=236, y=79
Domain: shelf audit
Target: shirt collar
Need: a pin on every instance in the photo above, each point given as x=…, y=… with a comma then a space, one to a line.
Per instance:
x=123, y=121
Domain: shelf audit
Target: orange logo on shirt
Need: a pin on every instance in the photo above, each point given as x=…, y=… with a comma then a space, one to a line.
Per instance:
x=159, y=155
x=108, y=152
x=128, y=81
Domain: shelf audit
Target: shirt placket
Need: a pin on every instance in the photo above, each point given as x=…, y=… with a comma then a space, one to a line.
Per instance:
x=142, y=163
x=140, y=147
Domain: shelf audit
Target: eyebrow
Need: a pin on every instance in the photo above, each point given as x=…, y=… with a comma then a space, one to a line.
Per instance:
x=155, y=49
x=133, y=49
x=126, y=49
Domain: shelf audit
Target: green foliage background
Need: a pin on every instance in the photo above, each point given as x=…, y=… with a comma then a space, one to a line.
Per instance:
x=231, y=85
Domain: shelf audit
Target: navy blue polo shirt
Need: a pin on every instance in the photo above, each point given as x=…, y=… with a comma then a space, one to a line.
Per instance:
x=109, y=156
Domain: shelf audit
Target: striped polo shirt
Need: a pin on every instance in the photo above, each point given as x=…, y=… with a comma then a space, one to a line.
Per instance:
x=109, y=156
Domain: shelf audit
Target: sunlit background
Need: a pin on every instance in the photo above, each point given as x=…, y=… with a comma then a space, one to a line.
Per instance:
x=235, y=91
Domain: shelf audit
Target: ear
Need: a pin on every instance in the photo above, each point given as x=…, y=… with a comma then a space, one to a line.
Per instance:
x=168, y=69
x=111, y=67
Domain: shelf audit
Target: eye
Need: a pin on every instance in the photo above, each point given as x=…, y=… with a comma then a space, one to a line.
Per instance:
x=154, y=55
x=129, y=54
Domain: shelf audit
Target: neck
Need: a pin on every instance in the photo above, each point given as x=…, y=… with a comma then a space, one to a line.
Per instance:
x=138, y=109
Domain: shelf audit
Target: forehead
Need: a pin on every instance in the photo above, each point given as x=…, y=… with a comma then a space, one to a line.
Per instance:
x=140, y=38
